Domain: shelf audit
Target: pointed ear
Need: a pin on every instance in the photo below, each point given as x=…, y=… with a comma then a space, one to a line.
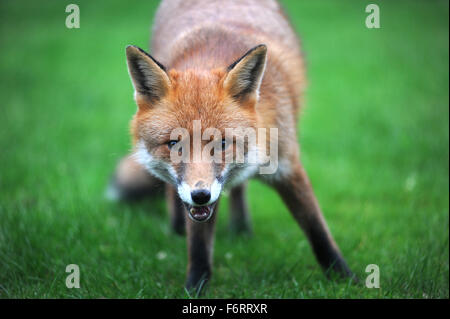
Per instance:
x=245, y=75
x=149, y=77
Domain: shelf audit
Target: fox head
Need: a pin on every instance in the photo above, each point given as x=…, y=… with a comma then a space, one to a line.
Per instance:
x=177, y=99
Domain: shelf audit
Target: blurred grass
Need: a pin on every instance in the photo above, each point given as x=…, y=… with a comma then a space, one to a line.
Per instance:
x=374, y=136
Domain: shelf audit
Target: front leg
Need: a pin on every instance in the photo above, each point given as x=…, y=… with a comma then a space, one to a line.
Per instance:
x=297, y=193
x=239, y=215
x=176, y=210
x=200, y=241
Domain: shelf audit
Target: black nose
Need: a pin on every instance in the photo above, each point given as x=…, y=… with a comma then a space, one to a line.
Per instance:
x=201, y=196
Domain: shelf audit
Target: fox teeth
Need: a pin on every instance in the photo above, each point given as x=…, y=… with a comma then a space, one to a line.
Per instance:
x=192, y=210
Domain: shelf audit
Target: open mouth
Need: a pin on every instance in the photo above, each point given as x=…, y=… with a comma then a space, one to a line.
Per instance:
x=200, y=213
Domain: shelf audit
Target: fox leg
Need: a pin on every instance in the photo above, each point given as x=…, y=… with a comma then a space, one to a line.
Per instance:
x=297, y=193
x=176, y=210
x=200, y=241
x=131, y=181
x=239, y=215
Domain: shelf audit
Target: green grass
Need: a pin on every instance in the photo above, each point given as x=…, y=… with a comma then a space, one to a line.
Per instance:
x=374, y=136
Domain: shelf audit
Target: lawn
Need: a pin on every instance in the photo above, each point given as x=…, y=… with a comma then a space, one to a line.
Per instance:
x=374, y=135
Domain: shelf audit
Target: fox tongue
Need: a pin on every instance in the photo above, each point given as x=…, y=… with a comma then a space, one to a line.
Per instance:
x=200, y=213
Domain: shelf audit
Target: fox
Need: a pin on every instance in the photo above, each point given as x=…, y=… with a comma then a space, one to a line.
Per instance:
x=222, y=64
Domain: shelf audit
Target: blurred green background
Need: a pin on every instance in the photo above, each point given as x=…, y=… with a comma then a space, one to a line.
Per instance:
x=374, y=136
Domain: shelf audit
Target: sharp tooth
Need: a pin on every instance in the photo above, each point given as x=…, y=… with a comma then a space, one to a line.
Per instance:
x=192, y=210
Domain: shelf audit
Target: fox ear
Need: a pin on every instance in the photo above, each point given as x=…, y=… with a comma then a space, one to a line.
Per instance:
x=149, y=77
x=245, y=75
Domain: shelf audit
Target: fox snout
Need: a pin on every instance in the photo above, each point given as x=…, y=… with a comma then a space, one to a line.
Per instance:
x=200, y=199
x=201, y=196
x=197, y=195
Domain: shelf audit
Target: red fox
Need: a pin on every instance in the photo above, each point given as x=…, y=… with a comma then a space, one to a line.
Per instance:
x=222, y=64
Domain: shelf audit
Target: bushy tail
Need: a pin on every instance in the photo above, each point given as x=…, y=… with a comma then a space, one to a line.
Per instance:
x=131, y=182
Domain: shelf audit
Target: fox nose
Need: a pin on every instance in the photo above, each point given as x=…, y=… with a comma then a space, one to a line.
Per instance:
x=201, y=196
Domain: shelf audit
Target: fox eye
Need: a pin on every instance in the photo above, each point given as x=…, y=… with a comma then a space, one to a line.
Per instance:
x=171, y=144
x=224, y=144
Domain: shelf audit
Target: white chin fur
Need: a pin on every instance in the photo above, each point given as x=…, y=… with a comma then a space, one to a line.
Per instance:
x=216, y=188
x=184, y=191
